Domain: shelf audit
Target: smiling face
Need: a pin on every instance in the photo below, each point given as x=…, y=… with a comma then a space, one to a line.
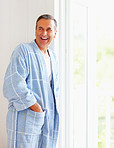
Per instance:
x=45, y=32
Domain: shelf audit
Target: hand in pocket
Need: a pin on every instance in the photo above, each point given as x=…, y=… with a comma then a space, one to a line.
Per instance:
x=36, y=107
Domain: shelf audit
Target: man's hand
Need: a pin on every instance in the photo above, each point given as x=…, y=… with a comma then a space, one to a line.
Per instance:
x=36, y=107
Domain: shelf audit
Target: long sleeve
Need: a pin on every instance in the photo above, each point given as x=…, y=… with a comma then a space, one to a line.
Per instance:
x=15, y=86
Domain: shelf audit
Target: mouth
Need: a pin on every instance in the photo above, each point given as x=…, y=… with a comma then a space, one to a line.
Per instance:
x=42, y=38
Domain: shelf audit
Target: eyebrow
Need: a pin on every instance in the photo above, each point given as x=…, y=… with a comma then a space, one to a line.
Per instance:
x=40, y=27
x=43, y=28
x=49, y=28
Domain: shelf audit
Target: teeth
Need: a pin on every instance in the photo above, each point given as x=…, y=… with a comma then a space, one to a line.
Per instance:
x=44, y=38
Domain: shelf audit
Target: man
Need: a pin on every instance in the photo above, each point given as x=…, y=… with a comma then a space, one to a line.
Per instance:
x=31, y=87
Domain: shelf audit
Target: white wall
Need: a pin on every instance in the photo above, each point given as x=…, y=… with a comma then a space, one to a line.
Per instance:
x=17, y=24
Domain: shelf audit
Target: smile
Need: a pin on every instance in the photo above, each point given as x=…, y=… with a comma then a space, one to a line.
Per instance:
x=44, y=38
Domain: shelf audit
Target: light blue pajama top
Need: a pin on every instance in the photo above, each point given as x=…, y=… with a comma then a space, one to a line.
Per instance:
x=26, y=82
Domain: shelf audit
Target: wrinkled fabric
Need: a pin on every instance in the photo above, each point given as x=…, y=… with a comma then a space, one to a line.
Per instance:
x=26, y=82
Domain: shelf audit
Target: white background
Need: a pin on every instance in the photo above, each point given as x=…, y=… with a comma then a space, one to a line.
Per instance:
x=17, y=25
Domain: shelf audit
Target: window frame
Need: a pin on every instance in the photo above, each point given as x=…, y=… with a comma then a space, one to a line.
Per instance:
x=62, y=46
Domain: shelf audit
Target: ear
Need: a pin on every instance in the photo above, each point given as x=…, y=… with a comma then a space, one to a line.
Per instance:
x=55, y=33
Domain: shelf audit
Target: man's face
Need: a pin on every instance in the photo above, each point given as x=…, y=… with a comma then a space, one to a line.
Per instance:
x=45, y=32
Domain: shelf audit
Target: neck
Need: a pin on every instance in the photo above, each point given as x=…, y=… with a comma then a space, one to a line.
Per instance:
x=44, y=51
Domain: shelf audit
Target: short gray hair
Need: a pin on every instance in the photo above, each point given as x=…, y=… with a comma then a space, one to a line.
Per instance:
x=47, y=16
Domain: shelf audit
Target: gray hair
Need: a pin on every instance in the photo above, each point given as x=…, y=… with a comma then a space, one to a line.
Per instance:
x=46, y=16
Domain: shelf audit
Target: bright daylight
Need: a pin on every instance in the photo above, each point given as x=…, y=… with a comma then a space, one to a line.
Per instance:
x=103, y=71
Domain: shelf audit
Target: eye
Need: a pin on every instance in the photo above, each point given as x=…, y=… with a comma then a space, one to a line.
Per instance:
x=49, y=29
x=40, y=28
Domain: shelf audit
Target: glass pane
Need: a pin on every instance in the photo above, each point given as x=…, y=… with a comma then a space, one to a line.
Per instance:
x=105, y=76
x=78, y=41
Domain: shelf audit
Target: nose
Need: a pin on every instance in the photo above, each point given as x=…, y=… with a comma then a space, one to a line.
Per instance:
x=44, y=32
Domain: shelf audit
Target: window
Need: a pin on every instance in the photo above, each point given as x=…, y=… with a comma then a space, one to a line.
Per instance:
x=79, y=73
x=105, y=75
x=87, y=107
